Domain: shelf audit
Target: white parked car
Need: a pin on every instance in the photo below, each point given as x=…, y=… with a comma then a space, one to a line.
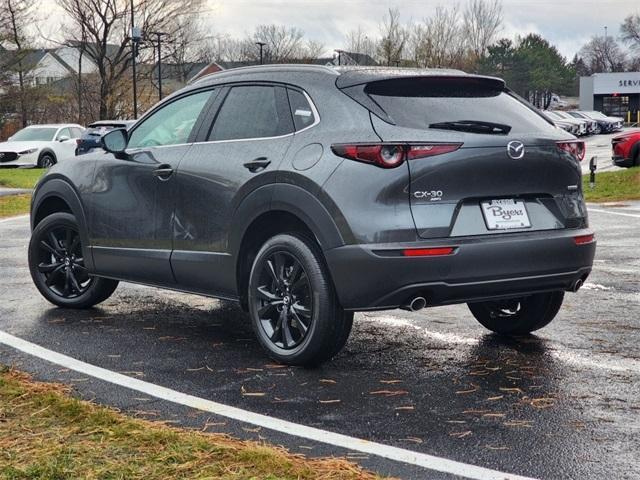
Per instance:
x=40, y=145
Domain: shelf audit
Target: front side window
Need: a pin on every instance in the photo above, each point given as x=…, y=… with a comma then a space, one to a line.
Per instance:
x=171, y=124
x=251, y=112
x=64, y=133
x=301, y=110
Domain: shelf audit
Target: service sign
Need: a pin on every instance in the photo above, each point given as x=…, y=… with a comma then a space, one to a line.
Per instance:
x=623, y=82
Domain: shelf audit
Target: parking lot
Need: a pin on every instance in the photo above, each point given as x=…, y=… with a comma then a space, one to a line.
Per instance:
x=560, y=404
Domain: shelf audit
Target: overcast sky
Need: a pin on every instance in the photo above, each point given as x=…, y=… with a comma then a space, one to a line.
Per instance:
x=566, y=23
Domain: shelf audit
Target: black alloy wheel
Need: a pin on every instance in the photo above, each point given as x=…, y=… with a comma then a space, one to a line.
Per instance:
x=284, y=300
x=61, y=264
x=294, y=309
x=57, y=265
x=518, y=316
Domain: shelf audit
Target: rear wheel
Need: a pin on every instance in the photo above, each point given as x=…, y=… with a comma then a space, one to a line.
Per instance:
x=57, y=265
x=293, y=306
x=518, y=316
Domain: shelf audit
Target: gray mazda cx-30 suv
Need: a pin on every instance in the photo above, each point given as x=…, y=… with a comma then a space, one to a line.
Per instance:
x=307, y=193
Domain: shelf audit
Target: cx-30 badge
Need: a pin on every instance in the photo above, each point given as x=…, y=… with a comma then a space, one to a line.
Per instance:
x=515, y=150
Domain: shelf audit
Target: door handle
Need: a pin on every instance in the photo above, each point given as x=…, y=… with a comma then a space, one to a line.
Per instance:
x=163, y=172
x=257, y=164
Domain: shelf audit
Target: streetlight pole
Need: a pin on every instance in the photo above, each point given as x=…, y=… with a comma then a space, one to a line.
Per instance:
x=159, y=36
x=135, y=37
x=339, y=52
x=261, y=45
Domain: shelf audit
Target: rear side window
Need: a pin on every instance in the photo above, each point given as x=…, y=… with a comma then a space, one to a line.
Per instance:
x=420, y=102
x=252, y=112
x=301, y=110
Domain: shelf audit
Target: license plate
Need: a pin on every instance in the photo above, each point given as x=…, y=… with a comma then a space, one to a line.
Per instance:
x=505, y=214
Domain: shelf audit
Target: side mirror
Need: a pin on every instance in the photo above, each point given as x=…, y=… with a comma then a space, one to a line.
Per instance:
x=63, y=138
x=115, y=142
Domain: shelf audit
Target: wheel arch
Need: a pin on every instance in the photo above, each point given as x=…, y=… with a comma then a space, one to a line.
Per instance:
x=274, y=209
x=48, y=150
x=57, y=195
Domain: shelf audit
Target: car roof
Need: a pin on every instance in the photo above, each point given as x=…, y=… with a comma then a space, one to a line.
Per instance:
x=54, y=125
x=346, y=76
x=111, y=122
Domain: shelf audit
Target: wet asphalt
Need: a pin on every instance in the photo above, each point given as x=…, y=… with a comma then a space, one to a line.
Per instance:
x=564, y=403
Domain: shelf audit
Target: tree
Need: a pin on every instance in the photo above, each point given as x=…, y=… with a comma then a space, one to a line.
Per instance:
x=358, y=41
x=482, y=20
x=16, y=15
x=603, y=54
x=630, y=30
x=532, y=67
x=394, y=38
x=101, y=29
x=438, y=40
x=282, y=43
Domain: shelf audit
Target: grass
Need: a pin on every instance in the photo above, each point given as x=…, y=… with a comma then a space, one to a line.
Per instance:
x=14, y=205
x=614, y=186
x=20, y=177
x=47, y=434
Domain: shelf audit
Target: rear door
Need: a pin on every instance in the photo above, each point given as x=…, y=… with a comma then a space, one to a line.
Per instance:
x=508, y=164
x=241, y=146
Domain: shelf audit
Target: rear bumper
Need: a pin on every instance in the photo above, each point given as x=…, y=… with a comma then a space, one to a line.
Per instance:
x=620, y=161
x=481, y=268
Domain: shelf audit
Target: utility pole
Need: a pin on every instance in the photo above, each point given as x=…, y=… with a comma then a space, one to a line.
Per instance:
x=135, y=38
x=159, y=36
x=339, y=52
x=605, y=32
x=261, y=45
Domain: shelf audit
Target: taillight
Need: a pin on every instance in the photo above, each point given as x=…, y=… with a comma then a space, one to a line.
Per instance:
x=584, y=239
x=574, y=148
x=391, y=155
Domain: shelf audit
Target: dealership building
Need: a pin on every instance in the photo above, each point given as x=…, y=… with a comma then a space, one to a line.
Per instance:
x=616, y=94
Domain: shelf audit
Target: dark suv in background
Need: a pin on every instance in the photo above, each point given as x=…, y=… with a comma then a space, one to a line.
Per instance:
x=307, y=193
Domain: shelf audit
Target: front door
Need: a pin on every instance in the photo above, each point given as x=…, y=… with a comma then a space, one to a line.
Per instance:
x=250, y=136
x=133, y=199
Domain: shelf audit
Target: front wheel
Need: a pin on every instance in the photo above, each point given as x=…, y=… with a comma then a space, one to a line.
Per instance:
x=518, y=316
x=293, y=306
x=46, y=160
x=57, y=266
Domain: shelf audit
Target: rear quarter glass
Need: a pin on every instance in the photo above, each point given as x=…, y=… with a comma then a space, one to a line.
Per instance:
x=419, y=102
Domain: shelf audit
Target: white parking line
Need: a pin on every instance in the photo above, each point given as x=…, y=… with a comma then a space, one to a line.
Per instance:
x=10, y=219
x=623, y=214
x=429, y=462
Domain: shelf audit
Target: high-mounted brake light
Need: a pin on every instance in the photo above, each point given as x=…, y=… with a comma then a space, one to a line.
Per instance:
x=391, y=155
x=428, y=252
x=574, y=148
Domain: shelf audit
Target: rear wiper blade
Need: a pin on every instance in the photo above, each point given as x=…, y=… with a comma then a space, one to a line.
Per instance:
x=473, y=126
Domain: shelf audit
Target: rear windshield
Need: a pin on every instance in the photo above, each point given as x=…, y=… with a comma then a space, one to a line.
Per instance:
x=421, y=102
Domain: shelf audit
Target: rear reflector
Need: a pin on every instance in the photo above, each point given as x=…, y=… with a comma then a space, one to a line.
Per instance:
x=391, y=155
x=428, y=252
x=584, y=239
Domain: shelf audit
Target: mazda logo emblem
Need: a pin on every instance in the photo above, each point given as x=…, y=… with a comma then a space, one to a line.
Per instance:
x=515, y=150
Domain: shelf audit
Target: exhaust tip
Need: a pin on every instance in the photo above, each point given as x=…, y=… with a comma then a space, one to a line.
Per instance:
x=577, y=285
x=417, y=303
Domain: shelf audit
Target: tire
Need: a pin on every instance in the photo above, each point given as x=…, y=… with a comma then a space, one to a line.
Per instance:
x=57, y=267
x=293, y=306
x=46, y=160
x=518, y=316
